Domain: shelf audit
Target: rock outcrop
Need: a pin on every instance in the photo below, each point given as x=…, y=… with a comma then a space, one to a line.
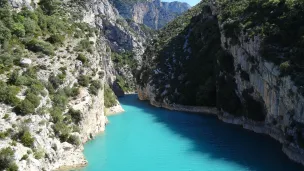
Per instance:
x=153, y=13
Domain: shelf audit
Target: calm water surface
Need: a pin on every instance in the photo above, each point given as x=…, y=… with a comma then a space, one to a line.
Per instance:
x=146, y=138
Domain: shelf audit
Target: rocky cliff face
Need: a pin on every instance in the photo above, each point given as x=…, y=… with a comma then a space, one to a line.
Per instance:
x=153, y=13
x=70, y=62
x=226, y=67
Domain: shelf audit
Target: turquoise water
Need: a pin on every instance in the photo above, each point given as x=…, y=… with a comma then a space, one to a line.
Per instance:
x=146, y=138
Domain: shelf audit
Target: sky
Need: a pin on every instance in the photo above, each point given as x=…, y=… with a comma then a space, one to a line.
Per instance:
x=190, y=2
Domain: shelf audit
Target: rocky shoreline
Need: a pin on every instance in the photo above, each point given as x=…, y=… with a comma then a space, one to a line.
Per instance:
x=114, y=110
x=294, y=153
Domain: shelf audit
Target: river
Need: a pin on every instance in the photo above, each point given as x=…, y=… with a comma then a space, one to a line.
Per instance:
x=146, y=138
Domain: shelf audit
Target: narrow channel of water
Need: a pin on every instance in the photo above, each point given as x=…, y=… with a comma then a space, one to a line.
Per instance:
x=147, y=138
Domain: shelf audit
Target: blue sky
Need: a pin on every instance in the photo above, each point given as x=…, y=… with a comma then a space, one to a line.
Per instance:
x=191, y=2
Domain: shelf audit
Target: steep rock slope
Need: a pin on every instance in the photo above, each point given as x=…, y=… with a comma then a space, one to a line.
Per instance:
x=153, y=13
x=242, y=57
x=57, y=71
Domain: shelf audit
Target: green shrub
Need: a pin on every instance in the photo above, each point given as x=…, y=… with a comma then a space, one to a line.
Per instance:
x=82, y=58
x=25, y=107
x=24, y=157
x=110, y=98
x=73, y=139
x=62, y=131
x=5, y=33
x=33, y=98
x=122, y=59
x=3, y=134
x=76, y=115
x=71, y=92
x=8, y=60
x=94, y=87
x=6, y=116
x=56, y=114
x=39, y=154
x=56, y=80
x=8, y=94
x=76, y=128
x=49, y=7
x=36, y=89
x=18, y=30
x=31, y=27
x=7, y=160
x=84, y=45
x=60, y=100
x=27, y=139
x=56, y=39
x=285, y=67
x=36, y=45
x=12, y=167
x=83, y=80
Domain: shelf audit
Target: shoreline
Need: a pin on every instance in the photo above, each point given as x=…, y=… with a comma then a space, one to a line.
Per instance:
x=82, y=163
x=114, y=110
x=290, y=150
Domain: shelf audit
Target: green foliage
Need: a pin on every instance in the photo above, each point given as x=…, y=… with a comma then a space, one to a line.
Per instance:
x=76, y=115
x=49, y=7
x=7, y=160
x=83, y=80
x=33, y=98
x=5, y=33
x=60, y=100
x=24, y=157
x=6, y=116
x=110, y=98
x=280, y=25
x=25, y=107
x=12, y=167
x=188, y=46
x=3, y=135
x=18, y=30
x=124, y=85
x=73, y=139
x=122, y=59
x=56, y=80
x=95, y=87
x=39, y=154
x=56, y=114
x=36, y=45
x=71, y=92
x=62, y=131
x=8, y=94
x=285, y=67
x=27, y=139
x=56, y=39
x=84, y=45
x=81, y=57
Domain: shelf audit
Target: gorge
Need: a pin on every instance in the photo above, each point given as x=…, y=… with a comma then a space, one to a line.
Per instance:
x=63, y=63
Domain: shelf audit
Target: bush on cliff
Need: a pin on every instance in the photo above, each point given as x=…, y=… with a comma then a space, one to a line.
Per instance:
x=7, y=160
x=110, y=98
x=27, y=139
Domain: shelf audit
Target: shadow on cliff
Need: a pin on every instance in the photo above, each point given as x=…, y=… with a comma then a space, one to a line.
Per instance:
x=218, y=140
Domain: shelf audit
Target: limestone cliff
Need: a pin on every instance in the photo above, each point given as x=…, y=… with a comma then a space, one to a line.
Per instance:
x=230, y=56
x=55, y=89
x=153, y=13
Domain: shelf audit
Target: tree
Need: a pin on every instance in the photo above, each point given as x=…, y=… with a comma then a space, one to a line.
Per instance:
x=49, y=6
